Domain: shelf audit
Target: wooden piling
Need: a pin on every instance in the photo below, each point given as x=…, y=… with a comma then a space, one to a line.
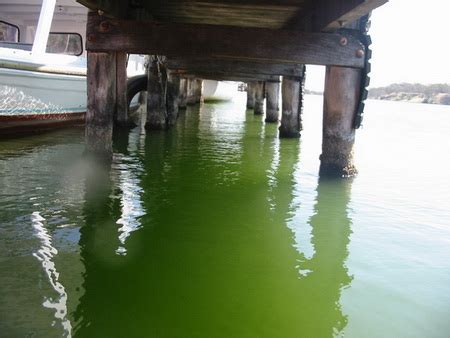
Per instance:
x=121, y=116
x=183, y=94
x=101, y=103
x=156, y=95
x=259, y=98
x=272, y=101
x=292, y=93
x=198, y=88
x=172, y=97
x=250, y=95
x=190, y=99
x=341, y=95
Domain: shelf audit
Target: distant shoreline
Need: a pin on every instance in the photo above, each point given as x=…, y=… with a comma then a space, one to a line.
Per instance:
x=408, y=92
x=413, y=92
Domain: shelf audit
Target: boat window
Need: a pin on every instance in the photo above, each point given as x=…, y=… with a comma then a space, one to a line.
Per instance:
x=65, y=43
x=9, y=32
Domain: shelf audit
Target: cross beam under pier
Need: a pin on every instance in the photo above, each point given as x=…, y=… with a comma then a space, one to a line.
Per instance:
x=224, y=66
x=231, y=76
x=224, y=42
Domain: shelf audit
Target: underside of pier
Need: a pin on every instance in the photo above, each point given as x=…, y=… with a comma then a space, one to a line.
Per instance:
x=256, y=41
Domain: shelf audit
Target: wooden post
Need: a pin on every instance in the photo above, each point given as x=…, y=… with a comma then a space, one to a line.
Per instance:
x=183, y=94
x=250, y=95
x=292, y=94
x=259, y=98
x=341, y=95
x=101, y=103
x=156, y=95
x=272, y=102
x=198, y=88
x=121, y=117
x=190, y=100
x=172, y=99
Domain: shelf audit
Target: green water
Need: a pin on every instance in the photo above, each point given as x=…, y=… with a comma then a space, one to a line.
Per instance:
x=219, y=229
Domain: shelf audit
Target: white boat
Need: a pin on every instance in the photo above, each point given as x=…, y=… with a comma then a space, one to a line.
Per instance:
x=43, y=64
x=214, y=91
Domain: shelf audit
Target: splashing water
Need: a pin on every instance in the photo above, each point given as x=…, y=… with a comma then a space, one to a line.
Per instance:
x=15, y=102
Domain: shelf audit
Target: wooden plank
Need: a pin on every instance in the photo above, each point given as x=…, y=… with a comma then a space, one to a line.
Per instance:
x=235, y=66
x=231, y=77
x=230, y=14
x=330, y=15
x=223, y=42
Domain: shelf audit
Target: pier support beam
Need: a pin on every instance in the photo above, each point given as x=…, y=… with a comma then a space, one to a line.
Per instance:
x=156, y=95
x=341, y=95
x=198, y=89
x=292, y=105
x=183, y=94
x=190, y=99
x=101, y=103
x=272, y=101
x=172, y=98
x=121, y=116
x=250, y=95
x=259, y=98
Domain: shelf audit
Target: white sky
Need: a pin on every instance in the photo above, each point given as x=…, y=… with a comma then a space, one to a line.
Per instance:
x=411, y=43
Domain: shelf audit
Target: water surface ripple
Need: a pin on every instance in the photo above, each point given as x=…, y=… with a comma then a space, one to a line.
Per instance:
x=217, y=228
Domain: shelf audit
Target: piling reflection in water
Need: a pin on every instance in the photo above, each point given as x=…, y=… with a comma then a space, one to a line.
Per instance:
x=128, y=168
x=214, y=254
x=229, y=234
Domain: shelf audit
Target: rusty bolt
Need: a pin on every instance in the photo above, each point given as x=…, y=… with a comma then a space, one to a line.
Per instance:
x=359, y=53
x=104, y=26
x=91, y=38
x=343, y=41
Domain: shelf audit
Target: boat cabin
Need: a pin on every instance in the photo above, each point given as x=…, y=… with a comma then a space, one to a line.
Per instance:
x=49, y=26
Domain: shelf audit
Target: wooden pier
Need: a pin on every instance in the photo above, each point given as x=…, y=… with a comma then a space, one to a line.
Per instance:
x=257, y=42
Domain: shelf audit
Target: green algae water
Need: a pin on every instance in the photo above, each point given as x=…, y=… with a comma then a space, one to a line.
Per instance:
x=217, y=228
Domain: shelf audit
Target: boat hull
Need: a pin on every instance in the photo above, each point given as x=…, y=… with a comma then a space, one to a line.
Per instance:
x=214, y=91
x=32, y=100
x=28, y=123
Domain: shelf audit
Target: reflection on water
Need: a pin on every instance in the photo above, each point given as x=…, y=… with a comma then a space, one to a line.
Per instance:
x=210, y=250
x=129, y=169
x=215, y=228
x=45, y=255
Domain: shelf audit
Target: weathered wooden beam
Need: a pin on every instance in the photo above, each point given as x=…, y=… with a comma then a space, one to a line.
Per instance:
x=183, y=94
x=198, y=90
x=190, y=98
x=122, y=118
x=329, y=15
x=156, y=95
x=250, y=95
x=341, y=98
x=272, y=101
x=231, y=77
x=172, y=97
x=234, y=66
x=101, y=103
x=292, y=101
x=259, y=98
x=223, y=42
